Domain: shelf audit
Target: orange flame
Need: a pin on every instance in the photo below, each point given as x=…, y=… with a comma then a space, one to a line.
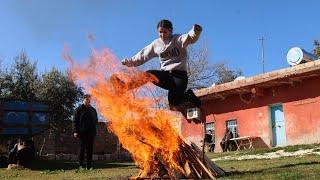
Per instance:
x=141, y=129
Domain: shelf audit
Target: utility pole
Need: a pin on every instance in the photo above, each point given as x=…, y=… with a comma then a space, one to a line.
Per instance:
x=262, y=53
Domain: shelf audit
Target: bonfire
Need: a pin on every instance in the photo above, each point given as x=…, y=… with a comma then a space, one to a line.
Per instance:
x=145, y=131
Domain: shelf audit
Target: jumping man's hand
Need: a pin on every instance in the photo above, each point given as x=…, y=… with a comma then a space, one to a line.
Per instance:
x=126, y=62
x=197, y=27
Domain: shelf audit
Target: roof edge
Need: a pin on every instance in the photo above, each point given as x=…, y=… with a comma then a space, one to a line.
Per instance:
x=262, y=78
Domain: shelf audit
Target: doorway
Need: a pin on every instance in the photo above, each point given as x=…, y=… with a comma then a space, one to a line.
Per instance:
x=278, y=125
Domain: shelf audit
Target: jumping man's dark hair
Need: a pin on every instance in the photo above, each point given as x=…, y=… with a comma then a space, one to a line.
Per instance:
x=165, y=24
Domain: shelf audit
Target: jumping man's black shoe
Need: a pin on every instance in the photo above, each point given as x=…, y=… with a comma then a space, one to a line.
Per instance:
x=191, y=97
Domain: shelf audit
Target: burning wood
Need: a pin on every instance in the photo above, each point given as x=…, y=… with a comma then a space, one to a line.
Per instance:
x=146, y=132
x=190, y=161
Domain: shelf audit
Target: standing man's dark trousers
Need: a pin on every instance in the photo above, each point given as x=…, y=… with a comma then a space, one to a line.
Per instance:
x=86, y=145
x=225, y=146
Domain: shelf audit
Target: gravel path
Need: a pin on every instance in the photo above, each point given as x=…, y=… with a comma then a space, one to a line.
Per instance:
x=271, y=155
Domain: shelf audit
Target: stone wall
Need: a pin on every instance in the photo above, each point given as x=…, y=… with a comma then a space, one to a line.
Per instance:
x=65, y=146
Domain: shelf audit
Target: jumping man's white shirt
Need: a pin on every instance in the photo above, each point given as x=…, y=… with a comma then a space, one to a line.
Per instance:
x=172, y=53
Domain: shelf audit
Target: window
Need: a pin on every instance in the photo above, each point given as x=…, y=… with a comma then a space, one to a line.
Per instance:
x=210, y=127
x=233, y=126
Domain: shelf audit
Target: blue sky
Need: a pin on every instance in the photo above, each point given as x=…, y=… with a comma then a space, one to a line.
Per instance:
x=231, y=28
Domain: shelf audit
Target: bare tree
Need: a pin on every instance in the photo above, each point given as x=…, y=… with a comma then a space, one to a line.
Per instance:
x=203, y=73
x=224, y=74
x=316, y=48
x=200, y=70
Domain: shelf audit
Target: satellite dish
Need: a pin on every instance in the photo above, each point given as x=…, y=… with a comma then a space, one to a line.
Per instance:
x=298, y=55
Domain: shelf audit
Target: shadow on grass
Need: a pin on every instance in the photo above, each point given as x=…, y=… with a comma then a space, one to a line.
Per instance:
x=69, y=165
x=231, y=173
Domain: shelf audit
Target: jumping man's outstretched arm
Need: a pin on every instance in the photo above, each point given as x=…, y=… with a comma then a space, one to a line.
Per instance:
x=192, y=36
x=141, y=57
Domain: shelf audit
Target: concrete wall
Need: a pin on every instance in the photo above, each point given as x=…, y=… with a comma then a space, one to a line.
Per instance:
x=301, y=112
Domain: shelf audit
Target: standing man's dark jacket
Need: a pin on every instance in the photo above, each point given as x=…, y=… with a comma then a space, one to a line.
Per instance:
x=85, y=119
x=84, y=127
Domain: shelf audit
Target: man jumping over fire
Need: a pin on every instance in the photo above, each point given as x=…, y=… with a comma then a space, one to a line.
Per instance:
x=172, y=52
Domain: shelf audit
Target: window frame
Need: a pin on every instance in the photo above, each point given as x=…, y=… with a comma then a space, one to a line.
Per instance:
x=213, y=129
x=233, y=127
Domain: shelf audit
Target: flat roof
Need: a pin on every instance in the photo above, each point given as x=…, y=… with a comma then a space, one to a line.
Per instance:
x=274, y=78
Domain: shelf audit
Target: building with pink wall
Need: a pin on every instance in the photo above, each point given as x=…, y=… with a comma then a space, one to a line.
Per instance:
x=278, y=108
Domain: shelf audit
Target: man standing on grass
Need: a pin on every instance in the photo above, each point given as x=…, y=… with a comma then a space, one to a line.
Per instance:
x=84, y=128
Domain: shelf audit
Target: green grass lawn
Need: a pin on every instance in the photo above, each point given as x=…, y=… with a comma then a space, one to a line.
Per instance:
x=304, y=167
x=299, y=167
x=68, y=170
